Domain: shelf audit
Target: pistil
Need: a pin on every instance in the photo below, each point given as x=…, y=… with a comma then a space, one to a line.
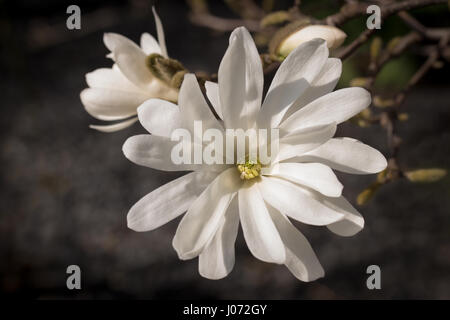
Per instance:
x=249, y=169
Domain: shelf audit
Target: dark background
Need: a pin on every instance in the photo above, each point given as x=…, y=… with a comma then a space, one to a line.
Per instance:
x=66, y=189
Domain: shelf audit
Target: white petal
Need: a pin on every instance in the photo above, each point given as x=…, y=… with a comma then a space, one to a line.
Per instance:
x=260, y=234
x=324, y=83
x=160, y=33
x=114, y=127
x=337, y=106
x=114, y=40
x=193, y=106
x=110, y=78
x=303, y=141
x=352, y=223
x=168, y=201
x=107, y=104
x=300, y=257
x=155, y=152
x=240, y=81
x=347, y=155
x=149, y=44
x=131, y=62
x=312, y=175
x=212, y=92
x=159, y=117
x=217, y=259
x=297, y=202
x=293, y=77
x=204, y=216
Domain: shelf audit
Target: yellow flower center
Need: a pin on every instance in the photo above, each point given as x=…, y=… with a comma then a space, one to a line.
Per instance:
x=249, y=169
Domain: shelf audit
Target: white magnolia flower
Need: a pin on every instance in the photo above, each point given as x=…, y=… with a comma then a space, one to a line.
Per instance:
x=300, y=103
x=115, y=93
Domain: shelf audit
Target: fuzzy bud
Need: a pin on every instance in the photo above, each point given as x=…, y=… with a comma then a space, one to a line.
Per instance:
x=367, y=194
x=275, y=18
x=375, y=48
x=167, y=70
x=426, y=175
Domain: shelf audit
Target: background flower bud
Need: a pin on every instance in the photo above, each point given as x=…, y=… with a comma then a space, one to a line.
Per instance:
x=332, y=35
x=367, y=194
x=426, y=175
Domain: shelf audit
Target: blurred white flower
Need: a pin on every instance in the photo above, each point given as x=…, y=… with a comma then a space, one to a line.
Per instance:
x=332, y=35
x=300, y=103
x=115, y=93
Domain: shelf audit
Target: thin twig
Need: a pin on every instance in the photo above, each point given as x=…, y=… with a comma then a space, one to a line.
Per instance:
x=358, y=42
x=352, y=10
x=430, y=33
x=222, y=24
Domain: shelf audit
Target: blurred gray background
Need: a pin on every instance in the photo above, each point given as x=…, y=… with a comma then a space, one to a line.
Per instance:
x=66, y=189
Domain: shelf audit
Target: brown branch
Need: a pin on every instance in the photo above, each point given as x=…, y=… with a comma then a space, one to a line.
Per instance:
x=222, y=24
x=354, y=9
x=247, y=9
x=423, y=69
x=403, y=43
x=408, y=5
x=347, y=12
x=389, y=117
x=430, y=33
x=358, y=42
x=419, y=74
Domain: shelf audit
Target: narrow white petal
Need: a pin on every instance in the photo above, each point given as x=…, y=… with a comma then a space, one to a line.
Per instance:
x=155, y=152
x=337, y=106
x=149, y=44
x=131, y=62
x=294, y=76
x=312, y=175
x=303, y=141
x=204, y=216
x=114, y=40
x=159, y=117
x=323, y=84
x=107, y=104
x=347, y=155
x=110, y=78
x=260, y=234
x=193, y=106
x=114, y=127
x=240, y=81
x=168, y=201
x=300, y=257
x=160, y=33
x=353, y=221
x=297, y=202
x=212, y=92
x=217, y=259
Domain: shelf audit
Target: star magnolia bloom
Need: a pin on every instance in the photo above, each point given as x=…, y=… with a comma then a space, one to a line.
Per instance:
x=300, y=103
x=115, y=93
